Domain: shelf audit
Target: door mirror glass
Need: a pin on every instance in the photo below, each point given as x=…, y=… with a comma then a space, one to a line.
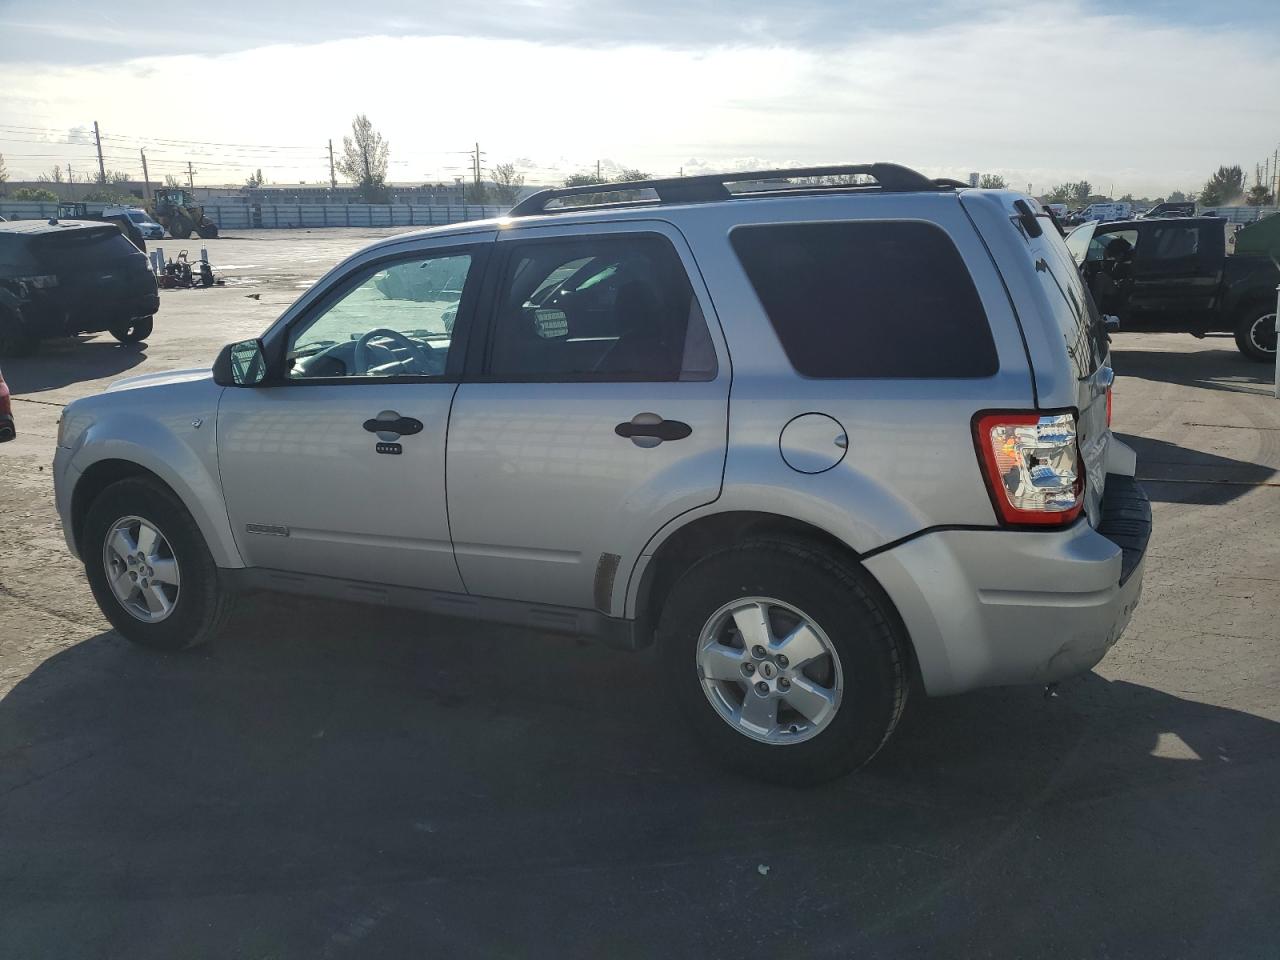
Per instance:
x=240, y=364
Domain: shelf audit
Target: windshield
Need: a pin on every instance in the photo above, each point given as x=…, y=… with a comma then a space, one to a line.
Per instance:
x=137, y=216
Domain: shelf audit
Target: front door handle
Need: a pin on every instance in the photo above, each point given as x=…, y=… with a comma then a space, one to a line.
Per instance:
x=649, y=429
x=390, y=422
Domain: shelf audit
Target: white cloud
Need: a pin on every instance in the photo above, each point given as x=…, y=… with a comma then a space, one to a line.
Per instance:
x=1041, y=94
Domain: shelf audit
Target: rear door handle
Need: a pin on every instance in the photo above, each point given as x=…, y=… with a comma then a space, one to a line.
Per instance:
x=649, y=429
x=392, y=422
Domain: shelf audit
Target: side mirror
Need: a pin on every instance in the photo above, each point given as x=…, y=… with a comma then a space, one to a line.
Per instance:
x=1111, y=323
x=240, y=364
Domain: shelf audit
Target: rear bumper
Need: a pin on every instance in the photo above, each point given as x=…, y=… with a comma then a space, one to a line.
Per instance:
x=56, y=317
x=993, y=607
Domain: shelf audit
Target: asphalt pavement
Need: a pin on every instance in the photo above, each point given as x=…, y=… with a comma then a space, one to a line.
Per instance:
x=334, y=781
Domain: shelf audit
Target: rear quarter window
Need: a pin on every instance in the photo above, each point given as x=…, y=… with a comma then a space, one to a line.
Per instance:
x=868, y=299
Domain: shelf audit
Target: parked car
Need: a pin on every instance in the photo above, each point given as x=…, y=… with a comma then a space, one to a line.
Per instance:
x=1169, y=208
x=63, y=277
x=149, y=228
x=823, y=443
x=7, y=430
x=1175, y=274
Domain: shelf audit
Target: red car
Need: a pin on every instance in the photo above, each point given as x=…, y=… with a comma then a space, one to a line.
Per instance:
x=7, y=431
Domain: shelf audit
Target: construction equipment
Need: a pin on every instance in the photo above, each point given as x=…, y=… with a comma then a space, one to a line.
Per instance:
x=177, y=211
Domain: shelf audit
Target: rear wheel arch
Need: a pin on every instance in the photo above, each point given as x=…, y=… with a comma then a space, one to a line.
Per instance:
x=685, y=546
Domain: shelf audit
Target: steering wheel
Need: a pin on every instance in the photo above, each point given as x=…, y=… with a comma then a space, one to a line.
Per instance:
x=422, y=353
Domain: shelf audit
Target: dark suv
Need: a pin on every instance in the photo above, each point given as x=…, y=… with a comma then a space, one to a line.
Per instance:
x=63, y=277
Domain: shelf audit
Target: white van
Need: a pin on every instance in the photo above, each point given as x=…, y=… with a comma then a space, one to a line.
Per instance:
x=1107, y=211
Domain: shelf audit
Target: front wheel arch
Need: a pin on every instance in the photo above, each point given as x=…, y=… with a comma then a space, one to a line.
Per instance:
x=97, y=478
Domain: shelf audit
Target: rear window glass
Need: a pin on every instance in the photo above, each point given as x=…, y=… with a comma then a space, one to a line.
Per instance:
x=84, y=248
x=1071, y=304
x=868, y=299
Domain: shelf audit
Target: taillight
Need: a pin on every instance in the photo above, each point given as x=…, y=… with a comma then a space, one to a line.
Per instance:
x=1031, y=463
x=1109, y=389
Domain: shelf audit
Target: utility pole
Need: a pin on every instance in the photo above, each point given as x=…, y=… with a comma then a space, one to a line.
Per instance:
x=477, y=166
x=597, y=171
x=333, y=179
x=71, y=184
x=146, y=177
x=102, y=167
x=191, y=177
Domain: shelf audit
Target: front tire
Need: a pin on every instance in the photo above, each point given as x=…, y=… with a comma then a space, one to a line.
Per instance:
x=150, y=569
x=1256, y=333
x=804, y=718
x=135, y=331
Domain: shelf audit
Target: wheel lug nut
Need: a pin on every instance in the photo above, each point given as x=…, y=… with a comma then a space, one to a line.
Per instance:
x=758, y=652
x=748, y=668
x=762, y=688
x=784, y=683
x=783, y=661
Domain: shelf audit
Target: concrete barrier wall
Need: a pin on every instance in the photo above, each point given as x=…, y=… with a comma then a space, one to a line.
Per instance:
x=270, y=216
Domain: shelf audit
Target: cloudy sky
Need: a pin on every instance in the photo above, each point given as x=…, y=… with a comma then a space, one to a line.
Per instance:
x=1145, y=97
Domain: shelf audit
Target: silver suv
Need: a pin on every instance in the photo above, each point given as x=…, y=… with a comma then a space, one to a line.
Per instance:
x=826, y=436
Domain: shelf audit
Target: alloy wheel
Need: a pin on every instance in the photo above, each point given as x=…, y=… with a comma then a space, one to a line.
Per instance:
x=769, y=670
x=141, y=569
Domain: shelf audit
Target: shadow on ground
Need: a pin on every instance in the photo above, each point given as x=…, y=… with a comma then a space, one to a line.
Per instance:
x=1226, y=369
x=334, y=780
x=59, y=363
x=1172, y=473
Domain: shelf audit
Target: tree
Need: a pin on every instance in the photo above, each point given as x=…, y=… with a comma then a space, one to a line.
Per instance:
x=53, y=176
x=1179, y=197
x=1059, y=194
x=506, y=183
x=32, y=193
x=364, y=160
x=1081, y=192
x=629, y=174
x=992, y=181
x=171, y=182
x=1258, y=196
x=476, y=193
x=582, y=180
x=1225, y=187
x=4, y=175
x=255, y=180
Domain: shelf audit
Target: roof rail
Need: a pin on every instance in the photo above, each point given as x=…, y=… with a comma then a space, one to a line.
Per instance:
x=705, y=188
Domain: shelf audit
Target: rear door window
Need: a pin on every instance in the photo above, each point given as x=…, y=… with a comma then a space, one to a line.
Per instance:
x=868, y=299
x=598, y=308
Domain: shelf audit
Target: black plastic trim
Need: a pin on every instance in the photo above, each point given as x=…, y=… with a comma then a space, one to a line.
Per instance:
x=1126, y=520
x=708, y=188
x=544, y=617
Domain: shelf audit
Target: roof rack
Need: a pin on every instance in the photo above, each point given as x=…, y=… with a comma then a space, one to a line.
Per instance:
x=706, y=188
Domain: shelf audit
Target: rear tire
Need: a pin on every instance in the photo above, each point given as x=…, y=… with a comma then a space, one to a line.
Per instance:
x=208, y=230
x=864, y=669
x=1256, y=333
x=134, y=331
x=199, y=602
x=180, y=228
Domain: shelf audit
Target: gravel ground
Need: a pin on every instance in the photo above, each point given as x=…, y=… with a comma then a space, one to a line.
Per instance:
x=340, y=781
